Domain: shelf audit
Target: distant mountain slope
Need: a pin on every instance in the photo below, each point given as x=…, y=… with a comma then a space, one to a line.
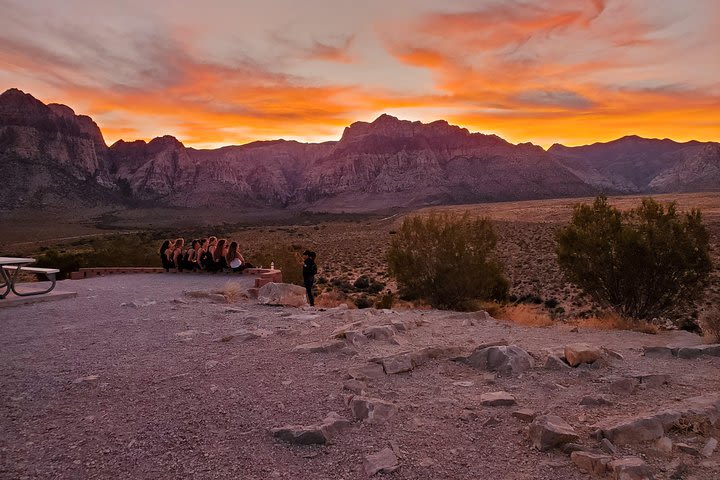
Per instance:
x=53, y=156
x=634, y=164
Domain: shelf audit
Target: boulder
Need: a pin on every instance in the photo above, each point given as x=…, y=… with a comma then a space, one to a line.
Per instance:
x=697, y=351
x=384, y=461
x=549, y=431
x=333, y=425
x=497, y=399
x=368, y=371
x=380, y=332
x=373, y=410
x=408, y=360
x=624, y=386
x=591, y=462
x=630, y=468
x=635, y=430
x=709, y=448
x=282, y=294
x=508, y=360
x=578, y=353
x=320, y=347
x=397, y=363
x=660, y=352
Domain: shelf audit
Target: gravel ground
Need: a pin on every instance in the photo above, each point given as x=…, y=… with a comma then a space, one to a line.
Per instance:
x=136, y=379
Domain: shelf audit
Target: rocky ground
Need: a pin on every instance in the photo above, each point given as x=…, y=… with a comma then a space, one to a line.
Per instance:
x=158, y=376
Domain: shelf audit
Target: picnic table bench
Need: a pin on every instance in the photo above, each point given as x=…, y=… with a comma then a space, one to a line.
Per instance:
x=10, y=270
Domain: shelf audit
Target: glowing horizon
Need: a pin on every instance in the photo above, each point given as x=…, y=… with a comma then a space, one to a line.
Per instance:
x=227, y=73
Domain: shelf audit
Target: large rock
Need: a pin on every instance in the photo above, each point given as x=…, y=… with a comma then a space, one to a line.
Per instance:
x=550, y=431
x=300, y=435
x=591, y=462
x=282, y=294
x=630, y=468
x=373, y=410
x=508, y=360
x=384, y=461
x=697, y=351
x=660, y=352
x=406, y=361
x=578, y=353
x=368, y=371
x=497, y=399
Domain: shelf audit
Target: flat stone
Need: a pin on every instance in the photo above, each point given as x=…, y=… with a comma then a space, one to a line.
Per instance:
x=333, y=425
x=596, y=400
x=685, y=448
x=590, y=462
x=524, y=415
x=578, y=353
x=385, y=461
x=624, y=386
x=355, y=386
x=397, y=363
x=549, y=431
x=284, y=294
x=508, y=360
x=652, y=380
x=630, y=468
x=497, y=399
x=342, y=330
x=325, y=346
x=89, y=378
x=608, y=446
x=373, y=410
x=356, y=338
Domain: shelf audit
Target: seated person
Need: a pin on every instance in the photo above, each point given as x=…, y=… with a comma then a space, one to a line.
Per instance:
x=177, y=255
x=166, y=250
x=220, y=255
x=235, y=259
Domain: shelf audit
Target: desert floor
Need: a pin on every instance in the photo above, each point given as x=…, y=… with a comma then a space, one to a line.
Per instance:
x=139, y=377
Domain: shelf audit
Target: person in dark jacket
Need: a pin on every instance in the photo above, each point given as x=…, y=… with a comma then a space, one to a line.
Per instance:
x=309, y=270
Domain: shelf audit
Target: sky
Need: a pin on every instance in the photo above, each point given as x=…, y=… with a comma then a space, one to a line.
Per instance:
x=227, y=72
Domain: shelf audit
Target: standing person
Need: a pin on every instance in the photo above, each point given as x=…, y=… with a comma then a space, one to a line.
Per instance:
x=309, y=270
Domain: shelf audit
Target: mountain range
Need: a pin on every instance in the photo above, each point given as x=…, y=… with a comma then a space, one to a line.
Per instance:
x=51, y=156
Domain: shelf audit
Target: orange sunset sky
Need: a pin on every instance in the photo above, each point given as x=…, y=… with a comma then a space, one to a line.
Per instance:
x=221, y=72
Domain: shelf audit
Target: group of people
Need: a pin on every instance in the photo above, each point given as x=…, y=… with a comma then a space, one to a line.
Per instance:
x=204, y=254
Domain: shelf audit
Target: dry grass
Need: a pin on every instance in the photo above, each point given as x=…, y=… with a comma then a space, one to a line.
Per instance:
x=332, y=299
x=528, y=315
x=710, y=324
x=612, y=321
x=233, y=292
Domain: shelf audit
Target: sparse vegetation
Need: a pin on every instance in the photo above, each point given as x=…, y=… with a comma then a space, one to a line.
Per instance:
x=286, y=258
x=643, y=263
x=710, y=325
x=447, y=260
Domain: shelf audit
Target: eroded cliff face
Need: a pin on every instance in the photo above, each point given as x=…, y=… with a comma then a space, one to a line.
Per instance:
x=50, y=154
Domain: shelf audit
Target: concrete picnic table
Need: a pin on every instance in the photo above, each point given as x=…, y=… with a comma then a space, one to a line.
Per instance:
x=10, y=268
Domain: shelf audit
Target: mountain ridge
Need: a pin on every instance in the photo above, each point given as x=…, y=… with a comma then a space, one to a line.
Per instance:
x=381, y=164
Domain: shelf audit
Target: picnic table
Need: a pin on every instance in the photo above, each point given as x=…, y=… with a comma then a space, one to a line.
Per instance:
x=10, y=268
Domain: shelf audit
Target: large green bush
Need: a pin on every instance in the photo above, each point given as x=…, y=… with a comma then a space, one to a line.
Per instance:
x=644, y=263
x=447, y=260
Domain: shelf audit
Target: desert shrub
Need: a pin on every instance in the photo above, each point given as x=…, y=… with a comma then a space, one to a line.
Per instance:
x=550, y=303
x=710, y=324
x=386, y=301
x=64, y=261
x=643, y=263
x=287, y=258
x=362, y=282
x=363, y=301
x=446, y=260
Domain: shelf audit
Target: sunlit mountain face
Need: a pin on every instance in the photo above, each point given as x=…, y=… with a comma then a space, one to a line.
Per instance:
x=223, y=72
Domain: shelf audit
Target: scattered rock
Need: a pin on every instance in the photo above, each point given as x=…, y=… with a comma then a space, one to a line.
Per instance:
x=694, y=352
x=373, y=410
x=630, y=468
x=341, y=331
x=300, y=435
x=549, y=431
x=665, y=445
x=612, y=354
x=652, y=380
x=384, y=461
x=380, y=332
x=367, y=372
x=187, y=334
x=578, y=353
x=569, y=448
x=608, y=446
x=590, y=462
x=356, y=338
x=326, y=346
x=508, y=360
x=406, y=361
x=709, y=448
x=282, y=294
x=524, y=415
x=333, y=425
x=462, y=383
x=89, y=378
x=596, y=400
x=685, y=448
x=660, y=352
x=553, y=362
x=497, y=399
x=217, y=297
x=355, y=386
x=624, y=386
x=398, y=325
